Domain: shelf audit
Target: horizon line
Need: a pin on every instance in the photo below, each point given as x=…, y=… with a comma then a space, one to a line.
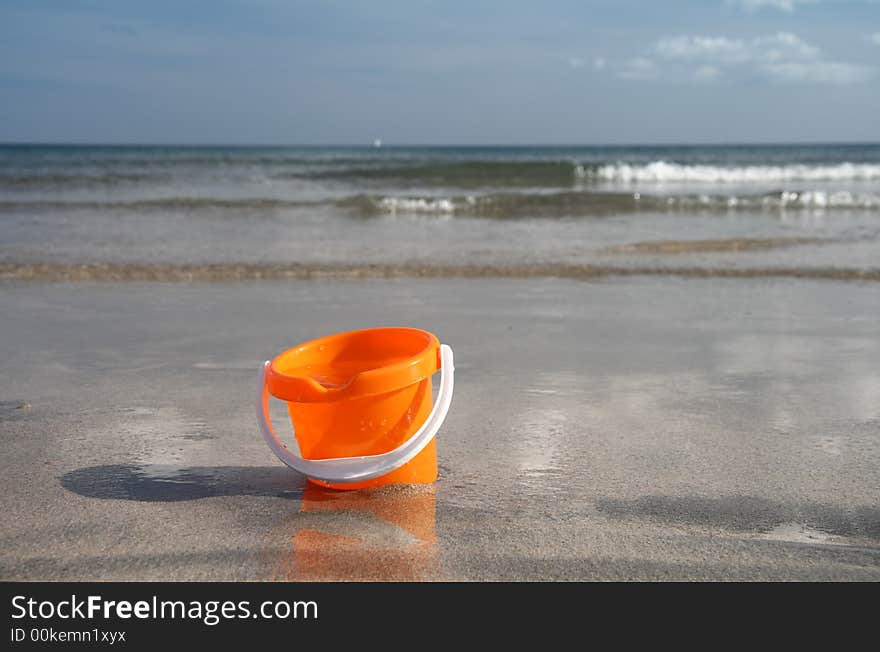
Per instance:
x=368, y=145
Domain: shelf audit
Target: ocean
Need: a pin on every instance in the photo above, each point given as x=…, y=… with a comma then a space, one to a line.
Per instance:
x=713, y=209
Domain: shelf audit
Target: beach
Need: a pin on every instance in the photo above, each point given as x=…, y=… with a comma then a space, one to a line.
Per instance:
x=609, y=429
x=667, y=363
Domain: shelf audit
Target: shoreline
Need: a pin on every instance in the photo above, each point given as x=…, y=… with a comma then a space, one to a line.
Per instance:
x=122, y=272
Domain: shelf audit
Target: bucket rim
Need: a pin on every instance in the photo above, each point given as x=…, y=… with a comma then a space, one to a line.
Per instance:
x=303, y=388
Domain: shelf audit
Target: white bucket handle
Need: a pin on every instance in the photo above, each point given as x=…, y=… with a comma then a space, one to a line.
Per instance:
x=364, y=467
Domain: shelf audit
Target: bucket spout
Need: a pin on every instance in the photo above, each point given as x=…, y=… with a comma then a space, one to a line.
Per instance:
x=305, y=385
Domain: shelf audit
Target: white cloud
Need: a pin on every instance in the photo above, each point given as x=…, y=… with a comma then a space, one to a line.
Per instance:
x=781, y=46
x=875, y=38
x=788, y=6
x=638, y=68
x=689, y=47
x=782, y=56
x=782, y=5
x=822, y=72
x=784, y=45
x=599, y=63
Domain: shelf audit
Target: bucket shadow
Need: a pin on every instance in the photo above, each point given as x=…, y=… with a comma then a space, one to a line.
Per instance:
x=161, y=483
x=381, y=534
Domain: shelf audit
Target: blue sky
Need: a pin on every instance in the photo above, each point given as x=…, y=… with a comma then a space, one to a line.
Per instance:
x=446, y=72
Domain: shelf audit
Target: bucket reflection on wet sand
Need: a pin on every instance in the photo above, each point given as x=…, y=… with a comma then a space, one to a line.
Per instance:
x=385, y=534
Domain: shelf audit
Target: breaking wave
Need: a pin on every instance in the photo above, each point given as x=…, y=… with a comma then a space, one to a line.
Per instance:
x=663, y=171
x=490, y=205
x=562, y=204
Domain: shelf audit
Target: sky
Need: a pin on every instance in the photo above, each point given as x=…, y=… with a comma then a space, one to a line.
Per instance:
x=439, y=72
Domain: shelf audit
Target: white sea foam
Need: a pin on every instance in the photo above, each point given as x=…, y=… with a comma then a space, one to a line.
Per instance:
x=662, y=171
x=792, y=199
x=419, y=205
x=587, y=203
x=822, y=199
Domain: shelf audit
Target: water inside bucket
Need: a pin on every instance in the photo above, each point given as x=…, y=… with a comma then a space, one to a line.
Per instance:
x=339, y=373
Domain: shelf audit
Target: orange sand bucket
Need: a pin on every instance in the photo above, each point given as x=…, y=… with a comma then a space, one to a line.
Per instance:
x=361, y=406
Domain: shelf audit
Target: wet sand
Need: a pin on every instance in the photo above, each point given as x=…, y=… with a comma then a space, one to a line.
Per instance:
x=716, y=245
x=612, y=427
